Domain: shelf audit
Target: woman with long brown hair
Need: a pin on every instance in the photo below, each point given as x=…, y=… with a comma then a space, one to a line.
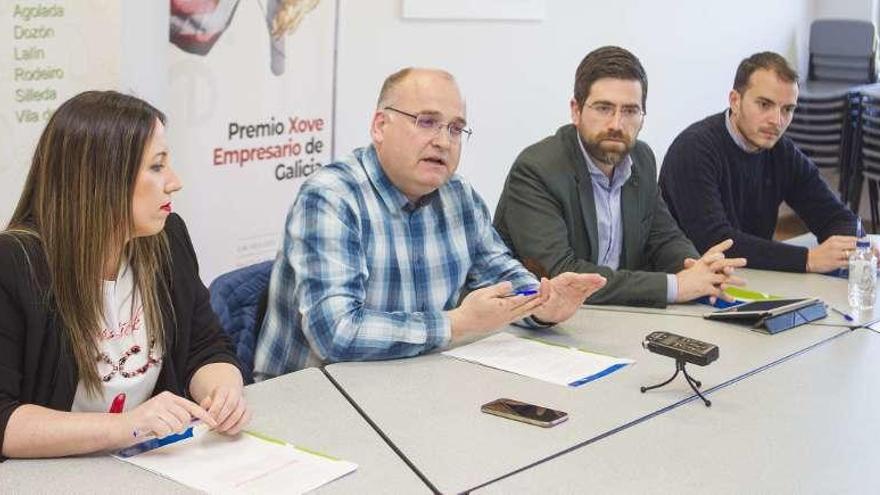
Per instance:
x=101, y=307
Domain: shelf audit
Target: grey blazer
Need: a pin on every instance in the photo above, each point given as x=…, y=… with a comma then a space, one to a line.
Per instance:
x=547, y=216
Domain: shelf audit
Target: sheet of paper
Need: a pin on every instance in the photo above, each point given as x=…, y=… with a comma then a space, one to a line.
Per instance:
x=536, y=359
x=244, y=464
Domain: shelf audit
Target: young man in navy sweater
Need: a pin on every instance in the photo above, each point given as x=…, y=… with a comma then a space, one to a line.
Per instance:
x=725, y=176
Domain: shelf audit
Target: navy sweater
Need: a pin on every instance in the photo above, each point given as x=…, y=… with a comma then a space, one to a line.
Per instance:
x=718, y=191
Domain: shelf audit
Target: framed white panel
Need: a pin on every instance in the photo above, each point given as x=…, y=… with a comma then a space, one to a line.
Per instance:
x=529, y=10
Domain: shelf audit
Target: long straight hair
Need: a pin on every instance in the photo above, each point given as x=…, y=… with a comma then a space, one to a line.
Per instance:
x=77, y=202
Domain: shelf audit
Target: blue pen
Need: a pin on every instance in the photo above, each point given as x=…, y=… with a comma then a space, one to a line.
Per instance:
x=151, y=442
x=155, y=443
x=841, y=313
x=524, y=292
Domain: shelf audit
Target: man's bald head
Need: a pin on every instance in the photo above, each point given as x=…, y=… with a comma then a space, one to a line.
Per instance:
x=394, y=82
x=412, y=129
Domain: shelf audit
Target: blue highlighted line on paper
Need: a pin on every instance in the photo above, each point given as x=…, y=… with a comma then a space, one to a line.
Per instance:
x=596, y=376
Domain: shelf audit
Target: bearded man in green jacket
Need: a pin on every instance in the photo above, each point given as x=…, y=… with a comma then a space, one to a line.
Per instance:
x=586, y=199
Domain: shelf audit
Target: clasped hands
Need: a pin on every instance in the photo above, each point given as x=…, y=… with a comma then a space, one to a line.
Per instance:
x=709, y=275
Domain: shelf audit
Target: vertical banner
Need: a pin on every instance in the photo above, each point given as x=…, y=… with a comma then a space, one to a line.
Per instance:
x=51, y=50
x=249, y=118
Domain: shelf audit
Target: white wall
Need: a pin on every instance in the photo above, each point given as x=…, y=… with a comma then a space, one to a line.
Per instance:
x=144, y=42
x=517, y=76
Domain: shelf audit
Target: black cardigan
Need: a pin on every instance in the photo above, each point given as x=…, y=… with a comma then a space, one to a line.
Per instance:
x=36, y=365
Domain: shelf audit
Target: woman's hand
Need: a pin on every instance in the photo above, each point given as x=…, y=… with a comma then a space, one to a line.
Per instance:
x=228, y=407
x=165, y=414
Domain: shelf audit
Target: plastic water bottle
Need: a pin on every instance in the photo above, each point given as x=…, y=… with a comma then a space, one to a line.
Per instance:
x=862, y=273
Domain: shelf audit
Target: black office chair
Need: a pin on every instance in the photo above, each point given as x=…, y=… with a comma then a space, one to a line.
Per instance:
x=842, y=50
x=239, y=298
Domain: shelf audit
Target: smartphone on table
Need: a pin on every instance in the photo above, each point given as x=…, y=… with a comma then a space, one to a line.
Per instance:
x=525, y=412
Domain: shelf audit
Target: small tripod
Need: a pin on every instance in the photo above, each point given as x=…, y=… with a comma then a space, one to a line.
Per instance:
x=693, y=382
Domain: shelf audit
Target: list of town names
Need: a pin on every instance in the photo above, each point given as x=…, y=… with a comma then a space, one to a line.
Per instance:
x=36, y=72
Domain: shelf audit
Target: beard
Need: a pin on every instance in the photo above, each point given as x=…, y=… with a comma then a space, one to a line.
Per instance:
x=761, y=140
x=764, y=137
x=609, y=147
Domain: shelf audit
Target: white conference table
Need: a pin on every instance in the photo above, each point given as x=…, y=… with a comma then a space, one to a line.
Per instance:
x=429, y=407
x=303, y=408
x=831, y=290
x=808, y=425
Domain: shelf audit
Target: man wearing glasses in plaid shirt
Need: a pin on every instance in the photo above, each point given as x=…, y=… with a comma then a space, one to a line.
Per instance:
x=380, y=247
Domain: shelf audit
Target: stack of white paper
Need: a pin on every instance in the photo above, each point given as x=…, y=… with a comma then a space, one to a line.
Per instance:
x=537, y=359
x=244, y=464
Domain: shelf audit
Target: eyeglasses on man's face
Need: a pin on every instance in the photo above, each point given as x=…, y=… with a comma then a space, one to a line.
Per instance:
x=429, y=123
x=630, y=114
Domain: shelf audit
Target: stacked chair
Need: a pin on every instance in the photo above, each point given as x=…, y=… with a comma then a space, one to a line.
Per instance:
x=823, y=126
x=867, y=152
x=825, y=123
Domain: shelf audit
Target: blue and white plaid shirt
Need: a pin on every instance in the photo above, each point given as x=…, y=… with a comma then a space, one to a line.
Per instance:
x=365, y=274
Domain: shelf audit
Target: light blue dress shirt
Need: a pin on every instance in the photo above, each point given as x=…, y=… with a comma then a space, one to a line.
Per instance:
x=739, y=140
x=609, y=219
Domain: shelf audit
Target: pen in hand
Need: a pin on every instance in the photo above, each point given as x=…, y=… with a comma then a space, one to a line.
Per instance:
x=148, y=441
x=523, y=292
x=143, y=434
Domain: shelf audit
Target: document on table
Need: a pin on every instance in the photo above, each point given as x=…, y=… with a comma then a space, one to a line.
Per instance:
x=537, y=359
x=248, y=463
